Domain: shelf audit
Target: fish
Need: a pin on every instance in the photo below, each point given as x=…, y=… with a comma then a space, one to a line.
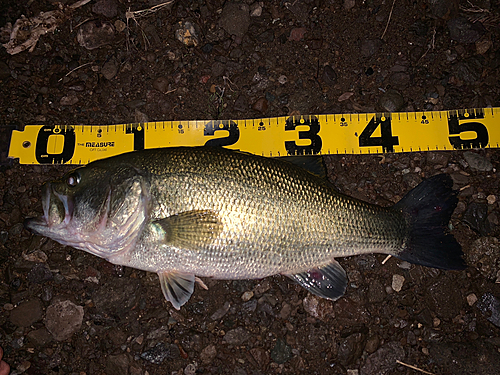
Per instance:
x=191, y=212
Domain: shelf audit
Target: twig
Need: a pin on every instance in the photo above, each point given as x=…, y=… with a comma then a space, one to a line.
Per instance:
x=414, y=368
x=389, y=20
x=72, y=70
x=386, y=259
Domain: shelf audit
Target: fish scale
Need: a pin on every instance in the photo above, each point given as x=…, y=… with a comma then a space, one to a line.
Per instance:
x=213, y=212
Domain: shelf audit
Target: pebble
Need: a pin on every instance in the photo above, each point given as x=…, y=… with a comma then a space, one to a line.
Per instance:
x=369, y=47
x=218, y=314
x=190, y=369
x=476, y=216
x=109, y=69
x=489, y=305
x=297, y=34
x=346, y=95
x=94, y=34
x=349, y=4
x=445, y=299
x=397, y=282
x=208, y=354
x=261, y=356
x=27, y=313
x=235, y=18
x=464, y=31
x=484, y=255
x=256, y=9
x=107, y=8
x=120, y=25
x=117, y=364
x=391, y=101
x=477, y=162
x=160, y=352
x=281, y=352
x=261, y=105
x=4, y=71
x=471, y=299
x=70, y=99
x=491, y=199
x=282, y=79
x=161, y=84
x=39, y=274
x=63, y=319
x=329, y=76
x=351, y=348
x=186, y=34
x=247, y=296
x=317, y=307
x=383, y=360
x=236, y=336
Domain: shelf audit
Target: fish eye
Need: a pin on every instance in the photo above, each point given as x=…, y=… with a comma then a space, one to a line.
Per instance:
x=73, y=179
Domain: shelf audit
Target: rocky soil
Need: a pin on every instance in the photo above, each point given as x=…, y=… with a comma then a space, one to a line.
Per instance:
x=63, y=311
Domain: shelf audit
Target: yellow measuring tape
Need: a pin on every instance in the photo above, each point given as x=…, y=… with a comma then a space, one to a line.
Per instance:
x=276, y=136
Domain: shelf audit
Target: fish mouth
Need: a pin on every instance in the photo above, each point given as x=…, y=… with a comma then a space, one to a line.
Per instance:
x=57, y=212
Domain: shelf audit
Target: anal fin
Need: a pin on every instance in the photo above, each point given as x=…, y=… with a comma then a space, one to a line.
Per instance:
x=328, y=282
x=177, y=287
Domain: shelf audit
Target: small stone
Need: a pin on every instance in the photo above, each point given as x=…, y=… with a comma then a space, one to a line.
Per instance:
x=491, y=199
x=397, y=282
x=235, y=18
x=369, y=47
x=256, y=9
x=282, y=79
x=349, y=4
x=485, y=256
x=109, y=69
x=107, y=8
x=120, y=25
x=346, y=95
x=261, y=356
x=471, y=299
x=63, y=319
x=329, y=76
x=208, y=354
x=247, y=296
x=384, y=359
x=297, y=34
x=186, y=34
x=260, y=105
x=476, y=216
x=317, y=307
x=241, y=103
x=160, y=352
x=117, y=364
x=190, y=369
x=477, y=162
x=436, y=322
x=489, y=305
x=482, y=46
x=464, y=31
x=391, y=101
x=281, y=352
x=236, y=336
x=27, y=313
x=70, y=99
x=161, y=84
x=94, y=34
x=221, y=311
x=39, y=274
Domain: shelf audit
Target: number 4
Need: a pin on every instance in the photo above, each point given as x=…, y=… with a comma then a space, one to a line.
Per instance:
x=386, y=139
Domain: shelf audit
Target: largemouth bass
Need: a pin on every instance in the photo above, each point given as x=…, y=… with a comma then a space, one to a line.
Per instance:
x=212, y=212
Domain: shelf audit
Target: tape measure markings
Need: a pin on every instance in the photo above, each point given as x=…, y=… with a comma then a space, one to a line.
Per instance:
x=366, y=133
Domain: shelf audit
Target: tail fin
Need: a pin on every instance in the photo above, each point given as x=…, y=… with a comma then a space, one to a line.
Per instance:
x=427, y=209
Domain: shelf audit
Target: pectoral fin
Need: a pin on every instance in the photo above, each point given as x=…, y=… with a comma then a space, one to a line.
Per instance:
x=327, y=282
x=177, y=287
x=191, y=229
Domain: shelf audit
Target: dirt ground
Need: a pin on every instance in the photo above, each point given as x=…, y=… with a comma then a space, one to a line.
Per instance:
x=63, y=311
